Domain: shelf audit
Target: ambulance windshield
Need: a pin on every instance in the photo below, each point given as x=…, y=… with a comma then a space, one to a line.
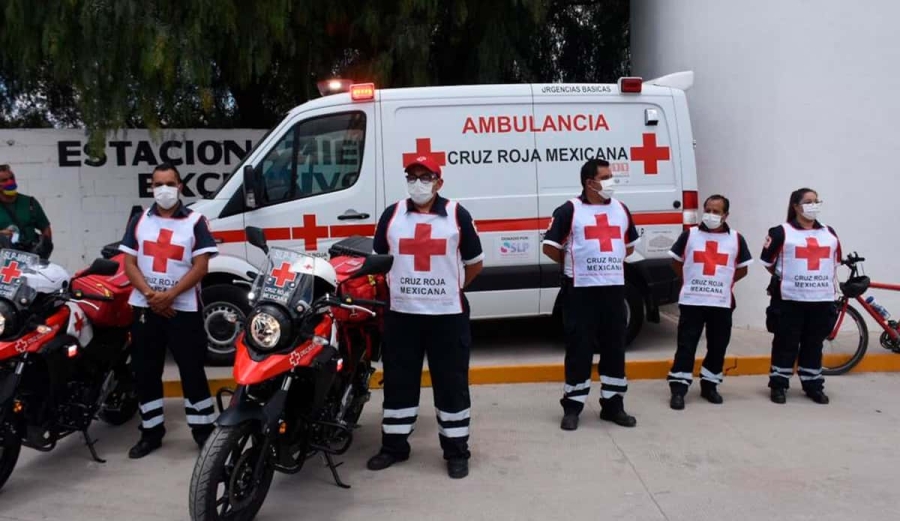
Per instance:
x=288, y=279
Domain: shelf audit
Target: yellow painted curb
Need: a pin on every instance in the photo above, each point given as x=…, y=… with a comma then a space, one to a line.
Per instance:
x=635, y=370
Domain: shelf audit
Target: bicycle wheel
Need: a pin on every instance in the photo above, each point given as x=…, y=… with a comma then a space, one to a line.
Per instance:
x=847, y=343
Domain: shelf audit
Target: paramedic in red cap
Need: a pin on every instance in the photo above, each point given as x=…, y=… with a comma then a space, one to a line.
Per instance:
x=437, y=253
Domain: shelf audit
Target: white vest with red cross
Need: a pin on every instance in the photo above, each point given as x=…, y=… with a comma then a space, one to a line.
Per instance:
x=710, y=260
x=165, y=255
x=808, y=264
x=596, y=245
x=427, y=275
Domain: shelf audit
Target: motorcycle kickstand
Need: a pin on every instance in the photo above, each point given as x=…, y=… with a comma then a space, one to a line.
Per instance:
x=90, y=445
x=334, y=473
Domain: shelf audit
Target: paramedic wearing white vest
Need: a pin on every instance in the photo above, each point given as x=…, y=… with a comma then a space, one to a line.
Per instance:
x=802, y=255
x=709, y=259
x=437, y=253
x=168, y=249
x=591, y=235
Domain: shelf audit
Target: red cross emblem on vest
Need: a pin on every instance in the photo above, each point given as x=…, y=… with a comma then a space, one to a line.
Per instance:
x=423, y=148
x=650, y=154
x=283, y=275
x=603, y=232
x=10, y=272
x=813, y=253
x=711, y=258
x=163, y=251
x=422, y=247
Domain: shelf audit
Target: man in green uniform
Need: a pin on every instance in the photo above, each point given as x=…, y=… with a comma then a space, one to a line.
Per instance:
x=21, y=217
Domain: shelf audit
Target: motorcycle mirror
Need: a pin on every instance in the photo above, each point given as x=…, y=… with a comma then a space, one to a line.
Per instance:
x=374, y=264
x=256, y=237
x=103, y=267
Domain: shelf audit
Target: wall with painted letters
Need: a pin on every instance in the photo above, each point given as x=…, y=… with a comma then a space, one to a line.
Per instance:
x=88, y=199
x=789, y=94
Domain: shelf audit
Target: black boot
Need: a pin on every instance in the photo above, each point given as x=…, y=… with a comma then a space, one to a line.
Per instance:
x=677, y=401
x=201, y=434
x=383, y=460
x=711, y=394
x=818, y=396
x=779, y=395
x=613, y=410
x=143, y=447
x=569, y=421
x=459, y=468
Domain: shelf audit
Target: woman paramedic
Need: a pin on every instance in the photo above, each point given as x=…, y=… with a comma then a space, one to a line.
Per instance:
x=802, y=254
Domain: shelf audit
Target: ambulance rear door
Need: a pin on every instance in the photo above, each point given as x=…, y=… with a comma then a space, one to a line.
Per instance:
x=489, y=167
x=636, y=133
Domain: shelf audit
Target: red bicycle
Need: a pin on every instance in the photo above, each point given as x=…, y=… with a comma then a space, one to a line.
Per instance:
x=848, y=341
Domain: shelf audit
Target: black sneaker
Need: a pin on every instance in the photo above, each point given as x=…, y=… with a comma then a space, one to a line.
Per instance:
x=818, y=396
x=619, y=417
x=677, y=402
x=779, y=396
x=383, y=460
x=144, y=447
x=459, y=468
x=569, y=422
x=712, y=395
x=201, y=434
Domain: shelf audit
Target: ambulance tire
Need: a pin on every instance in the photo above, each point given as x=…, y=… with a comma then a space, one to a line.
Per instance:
x=634, y=303
x=217, y=301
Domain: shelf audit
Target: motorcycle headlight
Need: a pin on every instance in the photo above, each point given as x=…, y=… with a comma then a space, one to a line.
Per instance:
x=268, y=327
x=7, y=318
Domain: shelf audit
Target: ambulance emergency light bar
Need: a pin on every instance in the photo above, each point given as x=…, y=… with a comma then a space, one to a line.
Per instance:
x=358, y=91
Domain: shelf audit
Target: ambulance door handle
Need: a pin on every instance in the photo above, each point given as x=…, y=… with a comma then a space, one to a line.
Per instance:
x=352, y=214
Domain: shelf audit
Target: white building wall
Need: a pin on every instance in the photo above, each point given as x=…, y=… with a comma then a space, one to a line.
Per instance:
x=88, y=206
x=789, y=93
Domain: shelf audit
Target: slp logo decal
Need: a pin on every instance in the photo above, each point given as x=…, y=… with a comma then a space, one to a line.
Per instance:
x=423, y=148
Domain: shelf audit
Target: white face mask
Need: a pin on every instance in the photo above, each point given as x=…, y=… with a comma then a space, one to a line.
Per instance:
x=607, y=188
x=165, y=196
x=810, y=210
x=420, y=191
x=712, y=221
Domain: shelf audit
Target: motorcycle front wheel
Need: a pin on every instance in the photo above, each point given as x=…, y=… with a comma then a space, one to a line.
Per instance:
x=223, y=487
x=10, y=445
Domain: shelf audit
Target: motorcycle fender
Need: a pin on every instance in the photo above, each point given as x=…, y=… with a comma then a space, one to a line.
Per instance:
x=243, y=409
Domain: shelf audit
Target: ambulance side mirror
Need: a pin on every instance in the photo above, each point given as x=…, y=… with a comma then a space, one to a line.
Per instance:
x=251, y=190
x=374, y=265
x=256, y=237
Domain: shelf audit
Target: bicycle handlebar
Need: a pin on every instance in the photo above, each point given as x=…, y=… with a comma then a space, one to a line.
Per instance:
x=852, y=259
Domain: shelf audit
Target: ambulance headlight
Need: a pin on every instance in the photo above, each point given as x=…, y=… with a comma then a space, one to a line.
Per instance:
x=268, y=328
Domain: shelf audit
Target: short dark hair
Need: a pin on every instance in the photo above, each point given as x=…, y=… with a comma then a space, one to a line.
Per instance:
x=5, y=168
x=589, y=169
x=162, y=167
x=718, y=197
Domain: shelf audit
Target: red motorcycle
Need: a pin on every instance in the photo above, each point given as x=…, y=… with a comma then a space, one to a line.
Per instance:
x=64, y=356
x=302, y=365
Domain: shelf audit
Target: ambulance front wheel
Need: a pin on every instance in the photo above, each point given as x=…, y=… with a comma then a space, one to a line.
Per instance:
x=634, y=312
x=221, y=303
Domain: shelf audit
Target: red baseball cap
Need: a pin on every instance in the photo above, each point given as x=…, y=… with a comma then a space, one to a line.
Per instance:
x=426, y=162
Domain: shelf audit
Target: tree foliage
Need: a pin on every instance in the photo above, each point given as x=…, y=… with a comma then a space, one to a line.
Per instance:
x=111, y=64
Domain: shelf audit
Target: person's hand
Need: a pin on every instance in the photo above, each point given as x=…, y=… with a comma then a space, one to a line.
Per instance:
x=162, y=299
x=6, y=232
x=168, y=312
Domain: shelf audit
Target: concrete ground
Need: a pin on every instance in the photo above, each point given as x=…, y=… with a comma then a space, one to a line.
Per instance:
x=748, y=459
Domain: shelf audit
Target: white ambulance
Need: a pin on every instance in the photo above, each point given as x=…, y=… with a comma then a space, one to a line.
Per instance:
x=510, y=154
